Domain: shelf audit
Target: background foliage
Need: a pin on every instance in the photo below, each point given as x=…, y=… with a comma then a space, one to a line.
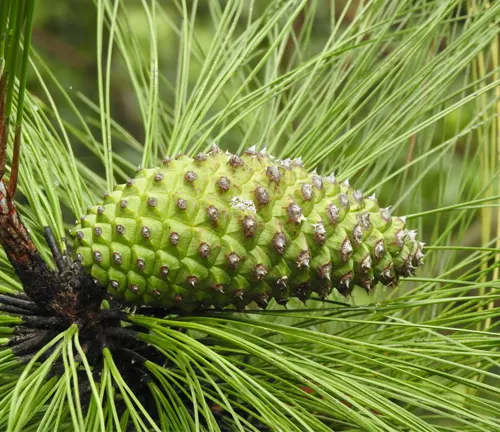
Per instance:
x=400, y=96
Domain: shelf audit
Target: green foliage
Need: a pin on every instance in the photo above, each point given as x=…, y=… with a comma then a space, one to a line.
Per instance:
x=400, y=96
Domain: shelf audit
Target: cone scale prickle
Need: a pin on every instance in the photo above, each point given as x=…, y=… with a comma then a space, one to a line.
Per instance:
x=220, y=229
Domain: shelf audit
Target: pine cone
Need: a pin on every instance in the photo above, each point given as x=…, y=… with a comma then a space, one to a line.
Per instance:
x=221, y=230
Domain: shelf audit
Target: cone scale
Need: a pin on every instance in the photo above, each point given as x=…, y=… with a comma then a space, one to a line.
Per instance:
x=220, y=230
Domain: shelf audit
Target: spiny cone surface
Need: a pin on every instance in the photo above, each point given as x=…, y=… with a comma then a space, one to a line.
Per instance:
x=221, y=230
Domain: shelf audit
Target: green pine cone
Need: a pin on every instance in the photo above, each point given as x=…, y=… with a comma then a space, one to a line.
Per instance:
x=221, y=230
